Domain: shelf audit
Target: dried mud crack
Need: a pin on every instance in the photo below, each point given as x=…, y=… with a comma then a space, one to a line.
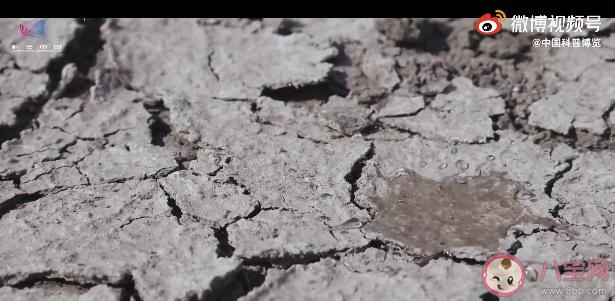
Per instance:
x=289, y=158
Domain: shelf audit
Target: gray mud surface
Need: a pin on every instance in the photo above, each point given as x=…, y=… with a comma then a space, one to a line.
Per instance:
x=291, y=159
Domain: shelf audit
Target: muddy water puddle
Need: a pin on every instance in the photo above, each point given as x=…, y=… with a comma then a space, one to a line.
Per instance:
x=429, y=216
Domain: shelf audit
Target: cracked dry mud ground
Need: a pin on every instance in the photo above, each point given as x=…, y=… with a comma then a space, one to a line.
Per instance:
x=290, y=159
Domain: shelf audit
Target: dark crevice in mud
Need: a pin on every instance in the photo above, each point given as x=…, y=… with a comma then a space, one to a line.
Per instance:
x=224, y=248
x=17, y=202
x=370, y=130
x=41, y=281
x=495, y=127
x=159, y=128
x=489, y=297
x=129, y=292
x=17, y=183
x=209, y=58
x=287, y=261
x=321, y=92
x=257, y=211
x=519, y=234
x=251, y=277
x=424, y=260
x=164, y=134
x=559, y=175
x=288, y=27
x=175, y=210
x=24, y=115
x=355, y=174
x=254, y=107
x=81, y=51
x=512, y=250
x=555, y=211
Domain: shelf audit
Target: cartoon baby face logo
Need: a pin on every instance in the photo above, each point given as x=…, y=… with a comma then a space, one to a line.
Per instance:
x=487, y=25
x=503, y=275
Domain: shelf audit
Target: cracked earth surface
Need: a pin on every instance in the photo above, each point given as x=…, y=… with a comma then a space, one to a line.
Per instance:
x=287, y=159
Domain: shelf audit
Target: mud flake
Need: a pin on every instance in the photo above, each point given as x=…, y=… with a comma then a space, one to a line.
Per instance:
x=267, y=60
x=210, y=122
x=296, y=178
x=110, y=231
x=34, y=146
x=46, y=176
x=100, y=119
x=548, y=114
x=130, y=49
x=394, y=282
x=279, y=234
x=212, y=203
x=59, y=110
x=579, y=104
x=208, y=161
x=380, y=69
x=570, y=63
x=36, y=140
x=400, y=105
x=116, y=163
x=298, y=120
x=462, y=115
x=588, y=189
x=344, y=116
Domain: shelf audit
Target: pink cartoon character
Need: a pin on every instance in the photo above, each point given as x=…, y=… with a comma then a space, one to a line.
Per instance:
x=503, y=275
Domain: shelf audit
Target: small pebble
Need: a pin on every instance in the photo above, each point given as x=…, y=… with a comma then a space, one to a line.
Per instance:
x=531, y=274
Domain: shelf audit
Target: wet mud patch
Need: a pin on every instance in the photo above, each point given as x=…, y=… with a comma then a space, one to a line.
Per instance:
x=429, y=217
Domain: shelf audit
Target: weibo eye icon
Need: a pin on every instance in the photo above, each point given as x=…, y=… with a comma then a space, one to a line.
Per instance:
x=487, y=25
